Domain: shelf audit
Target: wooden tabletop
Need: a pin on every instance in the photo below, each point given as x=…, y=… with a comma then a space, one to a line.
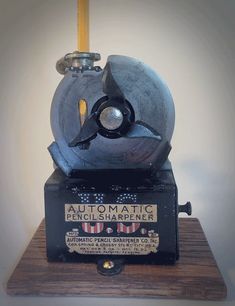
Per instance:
x=195, y=276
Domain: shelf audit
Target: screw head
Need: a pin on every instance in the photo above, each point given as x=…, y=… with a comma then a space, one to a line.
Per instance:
x=108, y=264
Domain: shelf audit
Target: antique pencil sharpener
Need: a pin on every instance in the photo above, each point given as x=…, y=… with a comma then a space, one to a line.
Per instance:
x=112, y=198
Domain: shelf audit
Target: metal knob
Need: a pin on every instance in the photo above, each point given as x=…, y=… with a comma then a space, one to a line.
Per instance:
x=111, y=118
x=186, y=208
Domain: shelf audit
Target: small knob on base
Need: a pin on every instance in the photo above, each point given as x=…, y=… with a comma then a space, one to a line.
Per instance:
x=186, y=208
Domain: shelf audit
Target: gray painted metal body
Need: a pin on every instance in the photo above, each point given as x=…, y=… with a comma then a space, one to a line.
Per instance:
x=149, y=97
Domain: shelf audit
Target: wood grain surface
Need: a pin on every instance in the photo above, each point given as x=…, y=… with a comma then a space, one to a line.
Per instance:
x=195, y=276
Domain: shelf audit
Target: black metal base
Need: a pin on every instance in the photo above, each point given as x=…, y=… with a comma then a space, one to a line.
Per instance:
x=137, y=217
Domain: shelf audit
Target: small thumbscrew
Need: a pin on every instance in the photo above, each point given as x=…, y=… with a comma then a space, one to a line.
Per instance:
x=186, y=208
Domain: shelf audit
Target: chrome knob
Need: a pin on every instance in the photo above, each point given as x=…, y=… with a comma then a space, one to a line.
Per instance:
x=111, y=118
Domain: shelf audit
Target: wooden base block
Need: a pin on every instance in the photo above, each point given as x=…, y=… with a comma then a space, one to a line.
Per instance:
x=195, y=276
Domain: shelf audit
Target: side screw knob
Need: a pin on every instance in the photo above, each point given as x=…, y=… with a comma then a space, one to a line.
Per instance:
x=186, y=208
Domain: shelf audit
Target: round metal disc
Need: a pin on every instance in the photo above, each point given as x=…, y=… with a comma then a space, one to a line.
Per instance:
x=111, y=118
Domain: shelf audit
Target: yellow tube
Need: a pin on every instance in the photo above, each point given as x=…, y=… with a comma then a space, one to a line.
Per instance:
x=83, y=25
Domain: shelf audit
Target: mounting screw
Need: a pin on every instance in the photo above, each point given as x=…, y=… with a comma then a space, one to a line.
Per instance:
x=110, y=267
x=108, y=264
x=186, y=208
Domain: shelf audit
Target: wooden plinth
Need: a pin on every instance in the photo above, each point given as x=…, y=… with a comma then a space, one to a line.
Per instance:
x=195, y=276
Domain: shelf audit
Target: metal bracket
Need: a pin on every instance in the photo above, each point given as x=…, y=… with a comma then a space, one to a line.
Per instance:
x=77, y=60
